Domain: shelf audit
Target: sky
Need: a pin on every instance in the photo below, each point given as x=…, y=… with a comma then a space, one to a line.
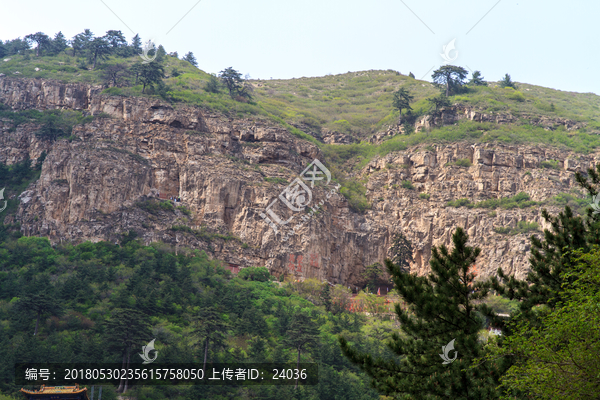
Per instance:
x=548, y=43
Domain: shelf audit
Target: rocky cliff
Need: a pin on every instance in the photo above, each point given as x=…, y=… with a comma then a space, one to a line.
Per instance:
x=229, y=171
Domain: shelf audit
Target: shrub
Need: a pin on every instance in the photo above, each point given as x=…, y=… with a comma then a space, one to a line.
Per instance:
x=275, y=179
x=522, y=227
x=463, y=162
x=154, y=207
x=520, y=200
x=185, y=210
x=260, y=274
x=550, y=164
x=407, y=185
x=460, y=203
x=425, y=196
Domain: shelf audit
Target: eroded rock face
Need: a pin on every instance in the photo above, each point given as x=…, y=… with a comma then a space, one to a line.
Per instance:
x=98, y=187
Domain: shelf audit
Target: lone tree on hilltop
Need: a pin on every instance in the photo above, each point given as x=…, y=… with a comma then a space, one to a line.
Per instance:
x=507, y=82
x=41, y=40
x=401, y=100
x=477, y=79
x=189, y=57
x=234, y=83
x=451, y=77
x=442, y=313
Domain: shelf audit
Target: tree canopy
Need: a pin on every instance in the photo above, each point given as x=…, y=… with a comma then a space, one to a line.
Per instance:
x=450, y=77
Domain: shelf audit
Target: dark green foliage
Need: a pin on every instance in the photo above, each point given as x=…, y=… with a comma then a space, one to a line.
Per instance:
x=507, y=82
x=401, y=100
x=155, y=207
x=550, y=164
x=210, y=329
x=372, y=275
x=116, y=75
x=408, y=185
x=41, y=41
x=212, y=85
x=477, y=79
x=326, y=296
x=189, y=57
x=436, y=104
x=235, y=84
x=411, y=75
x=80, y=42
x=560, y=359
x=522, y=227
x=117, y=42
x=148, y=74
x=301, y=334
x=125, y=330
x=451, y=78
x=520, y=200
x=40, y=304
x=59, y=43
x=442, y=307
x=401, y=252
x=109, y=293
x=259, y=274
x=136, y=45
x=463, y=162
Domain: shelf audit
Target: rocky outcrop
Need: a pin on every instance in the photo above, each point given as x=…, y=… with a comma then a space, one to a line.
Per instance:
x=455, y=113
x=229, y=171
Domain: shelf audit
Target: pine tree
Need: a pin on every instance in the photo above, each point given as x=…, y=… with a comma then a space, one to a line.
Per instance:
x=401, y=252
x=301, y=333
x=125, y=330
x=401, y=100
x=41, y=304
x=189, y=57
x=98, y=48
x=507, y=82
x=211, y=329
x=148, y=74
x=450, y=77
x=477, y=79
x=59, y=43
x=41, y=40
x=442, y=311
x=136, y=44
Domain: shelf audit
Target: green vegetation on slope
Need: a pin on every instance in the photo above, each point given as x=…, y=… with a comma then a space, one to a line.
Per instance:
x=92, y=284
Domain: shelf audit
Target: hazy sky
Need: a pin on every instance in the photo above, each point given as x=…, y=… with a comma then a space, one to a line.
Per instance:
x=549, y=43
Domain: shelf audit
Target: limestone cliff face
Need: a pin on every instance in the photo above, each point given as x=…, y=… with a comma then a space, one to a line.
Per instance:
x=99, y=187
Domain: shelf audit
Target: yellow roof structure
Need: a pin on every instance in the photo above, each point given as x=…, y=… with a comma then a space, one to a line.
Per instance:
x=57, y=392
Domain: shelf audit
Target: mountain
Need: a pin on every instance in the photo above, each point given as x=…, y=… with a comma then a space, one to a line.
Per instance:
x=489, y=171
